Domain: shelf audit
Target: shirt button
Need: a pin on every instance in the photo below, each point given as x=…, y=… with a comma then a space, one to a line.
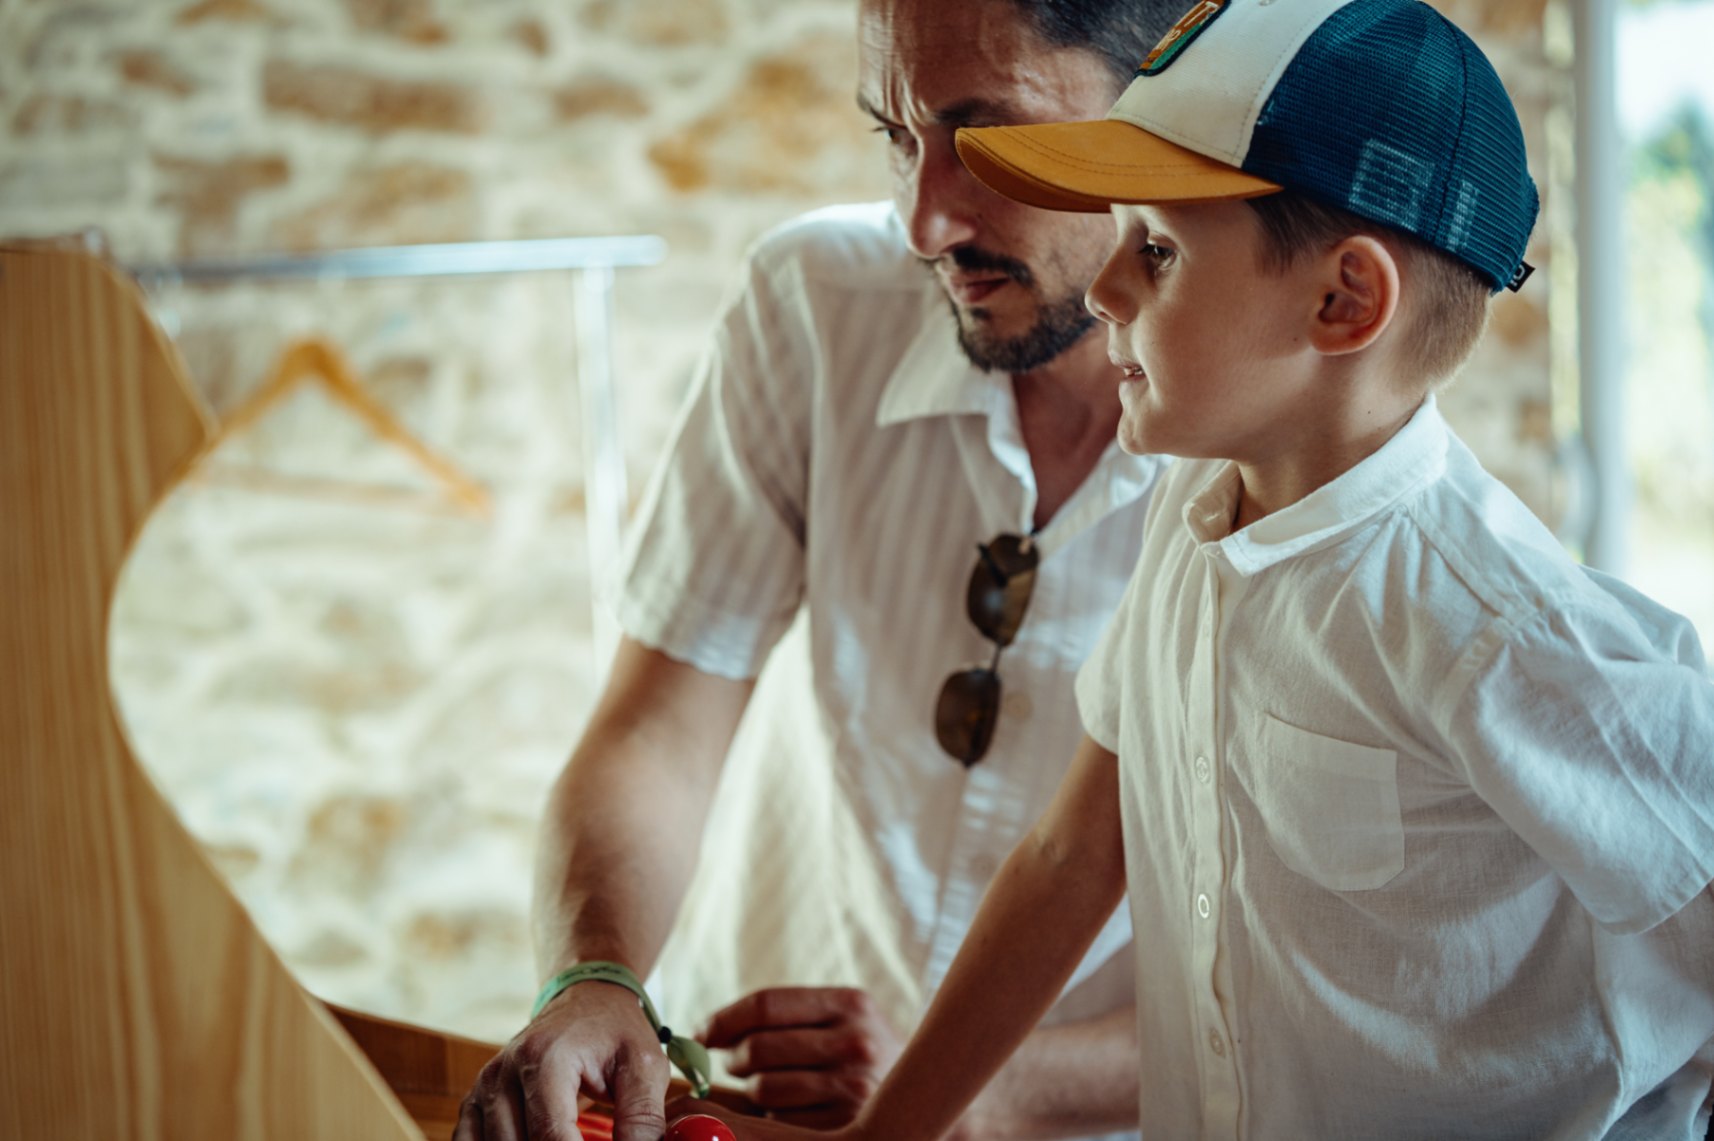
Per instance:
x=1018, y=704
x=1217, y=1043
x=1203, y=772
x=1203, y=907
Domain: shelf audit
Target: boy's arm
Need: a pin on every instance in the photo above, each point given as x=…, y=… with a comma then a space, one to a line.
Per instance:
x=1045, y=907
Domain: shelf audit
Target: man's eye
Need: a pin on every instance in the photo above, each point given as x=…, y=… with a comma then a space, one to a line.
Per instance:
x=897, y=137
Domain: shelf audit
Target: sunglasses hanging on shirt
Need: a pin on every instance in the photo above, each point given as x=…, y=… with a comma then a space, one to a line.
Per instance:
x=999, y=593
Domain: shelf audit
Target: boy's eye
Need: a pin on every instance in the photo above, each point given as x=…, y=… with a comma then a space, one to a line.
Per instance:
x=1157, y=256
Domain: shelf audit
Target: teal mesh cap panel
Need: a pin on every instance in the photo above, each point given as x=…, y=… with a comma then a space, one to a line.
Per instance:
x=1391, y=112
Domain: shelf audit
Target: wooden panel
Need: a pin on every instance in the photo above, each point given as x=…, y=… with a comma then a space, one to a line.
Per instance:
x=136, y=998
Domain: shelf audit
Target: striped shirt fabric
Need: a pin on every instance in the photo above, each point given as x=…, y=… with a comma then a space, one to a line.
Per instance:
x=836, y=465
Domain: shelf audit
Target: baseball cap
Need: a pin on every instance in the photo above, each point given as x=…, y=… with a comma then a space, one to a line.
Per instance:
x=1383, y=108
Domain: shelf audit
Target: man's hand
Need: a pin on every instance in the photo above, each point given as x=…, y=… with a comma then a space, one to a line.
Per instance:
x=813, y=1055
x=593, y=1040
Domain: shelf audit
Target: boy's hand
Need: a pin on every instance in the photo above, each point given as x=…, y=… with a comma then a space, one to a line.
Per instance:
x=755, y=1128
x=813, y=1055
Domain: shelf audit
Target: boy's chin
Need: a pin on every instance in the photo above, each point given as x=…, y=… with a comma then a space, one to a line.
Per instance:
x=1134, y=435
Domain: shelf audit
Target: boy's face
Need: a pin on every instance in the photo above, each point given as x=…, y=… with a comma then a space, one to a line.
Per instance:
x=1215, y=351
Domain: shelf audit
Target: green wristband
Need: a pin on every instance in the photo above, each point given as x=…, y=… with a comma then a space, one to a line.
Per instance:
x=685, y=1053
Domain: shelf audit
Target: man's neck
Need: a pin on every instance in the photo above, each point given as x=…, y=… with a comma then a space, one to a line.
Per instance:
x=1069, y=413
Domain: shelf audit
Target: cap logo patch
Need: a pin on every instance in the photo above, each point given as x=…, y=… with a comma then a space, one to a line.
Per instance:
x=1189, y=26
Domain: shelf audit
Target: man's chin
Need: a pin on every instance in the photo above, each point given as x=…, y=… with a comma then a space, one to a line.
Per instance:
x=996, y=340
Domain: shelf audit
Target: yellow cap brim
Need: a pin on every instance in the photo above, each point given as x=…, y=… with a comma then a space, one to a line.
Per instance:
x=1087, y=167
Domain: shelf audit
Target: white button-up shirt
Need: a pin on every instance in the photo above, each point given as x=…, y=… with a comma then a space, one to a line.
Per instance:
x=1417, y=816
x=838, y=462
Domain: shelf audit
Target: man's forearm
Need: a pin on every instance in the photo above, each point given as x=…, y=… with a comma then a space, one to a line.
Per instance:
x=624, y=821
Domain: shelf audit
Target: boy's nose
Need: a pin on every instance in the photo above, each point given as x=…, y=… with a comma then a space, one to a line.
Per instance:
x=1106, y=297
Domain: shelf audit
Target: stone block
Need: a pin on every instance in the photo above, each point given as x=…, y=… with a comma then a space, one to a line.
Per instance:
x=375, y=103
x=532, y=34
x=659, y=23
x=47, y=114
x=598, y=96
x=413, y=21
x=789, y=128
x=207, y=195
x=394, y=204
x=243, y=11
x=152, y=69
x=50, y=186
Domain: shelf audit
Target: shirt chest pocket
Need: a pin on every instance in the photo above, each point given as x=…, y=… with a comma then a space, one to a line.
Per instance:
x=1330, y=808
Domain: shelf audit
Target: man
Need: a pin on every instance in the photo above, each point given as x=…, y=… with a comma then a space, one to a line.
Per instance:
x=920, y=491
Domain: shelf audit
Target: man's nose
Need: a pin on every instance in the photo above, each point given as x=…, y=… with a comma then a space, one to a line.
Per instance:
x=939, y=204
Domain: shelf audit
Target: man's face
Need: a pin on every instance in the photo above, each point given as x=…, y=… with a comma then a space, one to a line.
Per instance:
x=1015, y=275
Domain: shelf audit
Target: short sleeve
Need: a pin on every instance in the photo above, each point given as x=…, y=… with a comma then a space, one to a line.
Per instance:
x=1590, y=731
x=715, y=563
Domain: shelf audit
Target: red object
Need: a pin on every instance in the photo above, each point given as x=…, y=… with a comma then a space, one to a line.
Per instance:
x=699, y=1127
x=595, y=1126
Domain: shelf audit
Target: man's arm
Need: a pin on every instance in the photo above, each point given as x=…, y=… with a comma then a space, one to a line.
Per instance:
x=618, y=843
x=1045, y=907
x=815, y=1055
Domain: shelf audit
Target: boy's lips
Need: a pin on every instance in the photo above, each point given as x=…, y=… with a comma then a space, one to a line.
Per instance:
x=1131, y=369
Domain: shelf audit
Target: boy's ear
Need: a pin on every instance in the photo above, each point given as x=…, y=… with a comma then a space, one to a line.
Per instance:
x=1359, y=295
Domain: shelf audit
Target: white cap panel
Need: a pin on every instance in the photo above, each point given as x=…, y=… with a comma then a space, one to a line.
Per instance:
x=1213, y=110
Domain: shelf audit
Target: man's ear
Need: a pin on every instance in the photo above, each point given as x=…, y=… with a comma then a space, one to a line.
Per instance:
x=1359, y=295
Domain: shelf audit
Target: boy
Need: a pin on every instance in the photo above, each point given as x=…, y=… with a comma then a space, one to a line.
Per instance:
x=1417, y=815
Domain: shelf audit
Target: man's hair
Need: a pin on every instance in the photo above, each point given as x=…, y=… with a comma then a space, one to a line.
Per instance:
x=1121, y=32
x=1448, y=300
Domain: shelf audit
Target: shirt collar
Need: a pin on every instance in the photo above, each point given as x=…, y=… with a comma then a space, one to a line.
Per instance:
x=1412, y=459
x=935, y=378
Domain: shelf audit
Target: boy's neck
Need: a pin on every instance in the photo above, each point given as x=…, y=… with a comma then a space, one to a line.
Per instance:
x=1319, y=450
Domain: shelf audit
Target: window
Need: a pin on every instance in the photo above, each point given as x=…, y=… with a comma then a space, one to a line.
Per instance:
x=1665, y=96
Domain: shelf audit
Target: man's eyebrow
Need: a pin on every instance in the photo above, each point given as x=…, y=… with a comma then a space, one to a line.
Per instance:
x=973, y=110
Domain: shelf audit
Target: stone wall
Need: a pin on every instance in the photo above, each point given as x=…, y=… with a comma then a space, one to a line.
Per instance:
x=354, y=689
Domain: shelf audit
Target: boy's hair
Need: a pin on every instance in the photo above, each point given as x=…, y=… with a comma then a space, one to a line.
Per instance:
x=1448, y=307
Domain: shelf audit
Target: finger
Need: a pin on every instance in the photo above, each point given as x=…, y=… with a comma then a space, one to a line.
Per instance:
x=550, y=1102
x=469, y=1127
x=765, y=1050
x=825, y=1118
x=503, y=1109
x=639, y=1086
x=780, y=1007
x=808, y=1089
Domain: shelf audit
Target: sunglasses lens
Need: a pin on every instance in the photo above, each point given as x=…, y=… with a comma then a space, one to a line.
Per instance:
x=965, y=716
x=1000, y=587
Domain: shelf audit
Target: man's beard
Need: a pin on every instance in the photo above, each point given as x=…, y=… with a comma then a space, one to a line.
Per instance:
x=1059, y=324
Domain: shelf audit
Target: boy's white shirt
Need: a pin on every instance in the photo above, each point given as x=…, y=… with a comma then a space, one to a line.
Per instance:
x=1401, y=786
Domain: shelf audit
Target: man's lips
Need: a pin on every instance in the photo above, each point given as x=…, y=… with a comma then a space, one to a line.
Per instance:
x=972, y=289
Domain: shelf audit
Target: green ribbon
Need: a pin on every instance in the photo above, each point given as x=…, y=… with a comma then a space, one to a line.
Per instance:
x=686, y=1053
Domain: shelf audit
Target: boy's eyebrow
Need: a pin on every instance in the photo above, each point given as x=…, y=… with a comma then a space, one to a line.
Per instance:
x=976, y=109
